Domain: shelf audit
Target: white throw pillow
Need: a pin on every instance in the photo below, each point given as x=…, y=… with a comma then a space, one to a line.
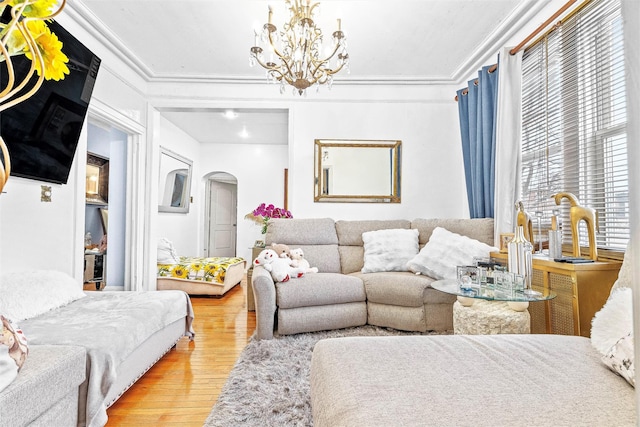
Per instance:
x=445, y=251
x=612, y=333
x=28, y=294
x=166, y=252
x=389, y=250
x=613, y=321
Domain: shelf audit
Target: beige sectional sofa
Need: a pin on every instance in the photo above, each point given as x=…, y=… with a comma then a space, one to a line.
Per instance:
x=340, y=295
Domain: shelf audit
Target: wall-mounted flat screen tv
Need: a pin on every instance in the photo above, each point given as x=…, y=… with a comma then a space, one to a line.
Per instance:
x=42, y=132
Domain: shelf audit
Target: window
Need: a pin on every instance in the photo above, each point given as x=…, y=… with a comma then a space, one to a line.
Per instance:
x=574, y=121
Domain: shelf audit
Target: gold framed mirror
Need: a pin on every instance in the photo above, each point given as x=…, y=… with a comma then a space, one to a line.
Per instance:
x=357, y=171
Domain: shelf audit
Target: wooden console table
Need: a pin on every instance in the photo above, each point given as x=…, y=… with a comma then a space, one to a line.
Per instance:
x=581, y=289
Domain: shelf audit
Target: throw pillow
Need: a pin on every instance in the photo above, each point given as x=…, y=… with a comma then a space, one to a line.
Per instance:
x=28, y=294
x=624, y=275
x=445, y=251
x=612, y=333
x=13, y=351
x=166, y=252
x=389, y=250
x=620, y=357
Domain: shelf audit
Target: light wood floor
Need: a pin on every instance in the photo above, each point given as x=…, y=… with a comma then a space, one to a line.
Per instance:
x=182, y=387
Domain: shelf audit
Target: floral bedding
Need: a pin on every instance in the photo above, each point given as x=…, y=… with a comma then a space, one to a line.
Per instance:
x=205, y=269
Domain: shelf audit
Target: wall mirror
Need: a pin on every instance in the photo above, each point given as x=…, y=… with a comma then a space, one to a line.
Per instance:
x=97, y=180
x=357, y=171
x=174, y=184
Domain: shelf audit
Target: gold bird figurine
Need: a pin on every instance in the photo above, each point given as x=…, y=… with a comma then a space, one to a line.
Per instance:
x=576, y=214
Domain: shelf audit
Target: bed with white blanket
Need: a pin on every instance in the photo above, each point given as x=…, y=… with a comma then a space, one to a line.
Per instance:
x=124, y=333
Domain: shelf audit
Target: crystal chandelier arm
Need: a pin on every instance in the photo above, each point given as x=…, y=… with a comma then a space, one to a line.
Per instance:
x=280, y=55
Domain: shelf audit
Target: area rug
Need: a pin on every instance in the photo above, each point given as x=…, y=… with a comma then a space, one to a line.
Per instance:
x=269, y=384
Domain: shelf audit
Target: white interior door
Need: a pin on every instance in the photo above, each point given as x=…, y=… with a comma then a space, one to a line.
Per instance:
x=222, y=221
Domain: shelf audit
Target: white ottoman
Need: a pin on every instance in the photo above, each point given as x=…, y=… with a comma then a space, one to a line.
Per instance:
x=489, y=318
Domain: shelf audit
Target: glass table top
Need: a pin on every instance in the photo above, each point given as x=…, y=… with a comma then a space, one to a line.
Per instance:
x=452, y=287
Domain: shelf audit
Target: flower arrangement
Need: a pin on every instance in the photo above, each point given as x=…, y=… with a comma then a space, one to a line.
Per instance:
x=263, y=213
x=24, y=31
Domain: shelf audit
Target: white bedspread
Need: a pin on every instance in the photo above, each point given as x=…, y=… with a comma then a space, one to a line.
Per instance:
x=110, y=325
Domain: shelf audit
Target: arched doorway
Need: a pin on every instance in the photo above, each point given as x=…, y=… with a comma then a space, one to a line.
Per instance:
x=221, y=214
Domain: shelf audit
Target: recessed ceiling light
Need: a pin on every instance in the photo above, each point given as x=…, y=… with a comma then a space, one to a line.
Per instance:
x=230, y=114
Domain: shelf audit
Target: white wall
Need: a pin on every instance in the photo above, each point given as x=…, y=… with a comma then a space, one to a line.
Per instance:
x=49, y=235
x=432, y=174
x=259, y=170
x=181, y=229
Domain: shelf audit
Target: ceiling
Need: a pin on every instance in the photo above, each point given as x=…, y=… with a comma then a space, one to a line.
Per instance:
x=389, y=41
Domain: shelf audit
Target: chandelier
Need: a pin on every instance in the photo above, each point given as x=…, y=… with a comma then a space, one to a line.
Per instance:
x=295, y=52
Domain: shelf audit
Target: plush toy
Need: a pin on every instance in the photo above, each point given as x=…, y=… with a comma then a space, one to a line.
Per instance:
x=281, y=249
x=297, y=260
x=280, y=268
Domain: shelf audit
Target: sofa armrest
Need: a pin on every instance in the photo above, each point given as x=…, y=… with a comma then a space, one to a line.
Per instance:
x=264, y=292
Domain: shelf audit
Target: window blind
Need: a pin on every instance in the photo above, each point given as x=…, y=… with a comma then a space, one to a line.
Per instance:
x=574, y=122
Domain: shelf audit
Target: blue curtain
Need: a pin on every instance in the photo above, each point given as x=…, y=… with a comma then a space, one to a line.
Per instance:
x=477, y=110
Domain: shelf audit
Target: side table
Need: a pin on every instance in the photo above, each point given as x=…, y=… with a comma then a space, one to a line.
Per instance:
x=484, y=311
x=251, y=304
x=489, y=318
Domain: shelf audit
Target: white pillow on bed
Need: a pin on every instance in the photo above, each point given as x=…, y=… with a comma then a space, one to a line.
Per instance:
x=28, y=294
x=166, y=252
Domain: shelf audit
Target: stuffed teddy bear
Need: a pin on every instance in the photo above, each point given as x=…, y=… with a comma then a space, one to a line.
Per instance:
x=297, y=260
x=280, y=268
x=281, y=249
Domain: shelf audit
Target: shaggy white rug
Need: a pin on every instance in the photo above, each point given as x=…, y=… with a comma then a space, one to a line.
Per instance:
x=269, y=384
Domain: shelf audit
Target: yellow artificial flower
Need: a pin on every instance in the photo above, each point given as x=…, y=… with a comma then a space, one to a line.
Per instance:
x=180, y=272
x=37, y=8
x=55, y=61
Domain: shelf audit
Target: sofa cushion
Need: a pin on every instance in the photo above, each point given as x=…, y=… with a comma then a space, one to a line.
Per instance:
x=389, y=250
x=477, y=228
x=50, y=373
x=319, y=289
x=325, y=257
x=351, y=258
x=395, y=288
x=298, y=232
x=418, y=380
x=446, y=250
x=315, y=236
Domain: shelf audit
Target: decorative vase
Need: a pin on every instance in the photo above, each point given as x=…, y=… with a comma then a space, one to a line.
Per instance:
x=520, y=252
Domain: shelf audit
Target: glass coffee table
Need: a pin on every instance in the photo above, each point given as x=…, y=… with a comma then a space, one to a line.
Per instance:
x=486, y=311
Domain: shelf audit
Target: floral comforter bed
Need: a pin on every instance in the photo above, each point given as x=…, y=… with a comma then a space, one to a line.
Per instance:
x=212, y=270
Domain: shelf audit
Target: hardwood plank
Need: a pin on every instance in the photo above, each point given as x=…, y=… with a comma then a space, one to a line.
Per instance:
x=182, y=387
